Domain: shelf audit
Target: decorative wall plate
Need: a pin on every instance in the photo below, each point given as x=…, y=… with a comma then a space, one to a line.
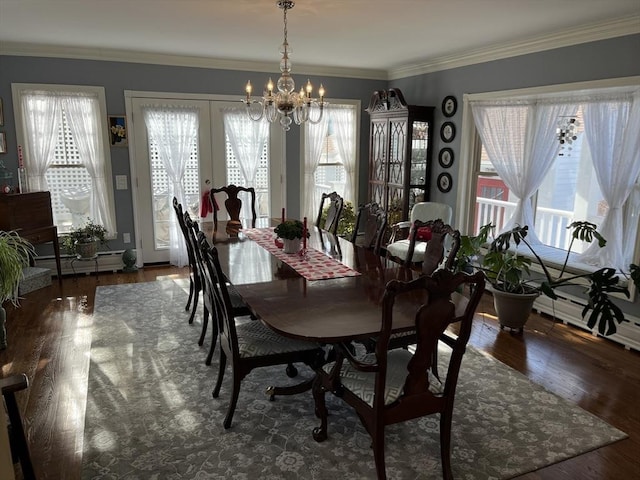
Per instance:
x=449, y=106
x=445, y=182
x=445, y=157
x=447, y=132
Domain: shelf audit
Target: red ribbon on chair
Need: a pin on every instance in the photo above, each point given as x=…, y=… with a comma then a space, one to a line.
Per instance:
x=205, y=204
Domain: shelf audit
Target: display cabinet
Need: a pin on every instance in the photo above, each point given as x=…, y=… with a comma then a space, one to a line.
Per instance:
x=400, y=153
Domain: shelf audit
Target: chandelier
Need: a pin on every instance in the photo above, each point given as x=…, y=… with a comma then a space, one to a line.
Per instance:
x=285, y=105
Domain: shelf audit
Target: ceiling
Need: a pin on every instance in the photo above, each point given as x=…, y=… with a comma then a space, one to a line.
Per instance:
x=376, y=35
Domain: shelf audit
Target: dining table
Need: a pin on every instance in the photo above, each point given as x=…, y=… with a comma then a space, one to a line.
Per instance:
x=331, y=292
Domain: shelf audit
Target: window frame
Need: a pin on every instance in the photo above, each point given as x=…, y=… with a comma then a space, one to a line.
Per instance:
x=17, y=91
x=356, y=105
x=471, y=145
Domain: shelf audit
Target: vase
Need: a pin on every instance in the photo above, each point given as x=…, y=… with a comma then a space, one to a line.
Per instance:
x=291, y=245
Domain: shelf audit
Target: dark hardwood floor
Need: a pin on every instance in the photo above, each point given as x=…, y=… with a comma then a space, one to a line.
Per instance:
x=50, y=341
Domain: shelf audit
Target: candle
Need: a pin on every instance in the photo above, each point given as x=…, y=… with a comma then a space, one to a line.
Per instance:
x=304, y=234
x=282, y=214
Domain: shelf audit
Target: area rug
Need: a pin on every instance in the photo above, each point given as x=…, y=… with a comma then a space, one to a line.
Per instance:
x=150, y=413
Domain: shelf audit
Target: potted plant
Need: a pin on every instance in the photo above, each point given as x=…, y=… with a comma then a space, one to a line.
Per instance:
x=291, y=232
x=514, y=291
x=15, y=253
x=84, y=240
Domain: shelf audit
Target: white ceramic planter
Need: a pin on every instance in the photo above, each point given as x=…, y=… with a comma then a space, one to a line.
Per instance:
x=291, y=246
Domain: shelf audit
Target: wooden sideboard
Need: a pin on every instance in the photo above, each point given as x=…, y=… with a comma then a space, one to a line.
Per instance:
x=31, y=216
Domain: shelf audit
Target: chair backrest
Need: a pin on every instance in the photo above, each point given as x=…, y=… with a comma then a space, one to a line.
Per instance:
x=218, y=295
x=177, y=207
x=336, y=203
x=431, y=320
x=233, y=204
x=437, y=230
x=370, y=226
x=430, y=211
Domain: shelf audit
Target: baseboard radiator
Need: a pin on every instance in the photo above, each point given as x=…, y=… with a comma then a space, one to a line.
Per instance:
x=568, y=309
x=106, y=262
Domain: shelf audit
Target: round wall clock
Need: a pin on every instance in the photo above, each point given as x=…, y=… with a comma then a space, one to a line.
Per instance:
x=447, y=132
x=449, y=106
x=445, y=182
x=445, y=157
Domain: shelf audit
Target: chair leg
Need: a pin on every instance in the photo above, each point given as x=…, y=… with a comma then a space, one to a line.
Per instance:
x=378, y=450
x=235, y=393
x=191, y=288
x=221, y=369
x=196, y=294
x=445, y=445
x=214, y=341
x=320, y=433
x=17, y=434
x=205, y=324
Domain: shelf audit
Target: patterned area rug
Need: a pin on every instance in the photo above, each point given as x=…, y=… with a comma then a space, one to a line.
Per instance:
x=150, y=414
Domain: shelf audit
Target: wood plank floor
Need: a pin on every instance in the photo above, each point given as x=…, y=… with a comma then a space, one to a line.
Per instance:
x=50, y=341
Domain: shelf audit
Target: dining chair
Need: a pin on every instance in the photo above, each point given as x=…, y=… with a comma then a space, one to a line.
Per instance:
x=370, y=227
x=240, y=308
x=400, y=244
x=249, y=344
x=195, y=285
x=233, y=205
x=17, y=438
x=392, y=386
x=334, y=212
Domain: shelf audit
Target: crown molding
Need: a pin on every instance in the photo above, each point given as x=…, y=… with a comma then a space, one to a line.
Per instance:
x=112, y=55
x=587, y=33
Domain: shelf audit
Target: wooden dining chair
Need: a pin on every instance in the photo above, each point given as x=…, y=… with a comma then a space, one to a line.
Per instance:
x=334, y=212
x=240, y=308
x=371, y=223
x=392, y=386
x=250, y=344
x=233, y=205
x=195, y=285
x=398, y=248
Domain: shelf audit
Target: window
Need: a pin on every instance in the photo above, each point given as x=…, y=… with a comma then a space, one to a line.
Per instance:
x=330, y=153
x=63, y=133
x=540, y=147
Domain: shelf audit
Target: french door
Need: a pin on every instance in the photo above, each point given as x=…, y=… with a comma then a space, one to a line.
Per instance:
x=211, y=164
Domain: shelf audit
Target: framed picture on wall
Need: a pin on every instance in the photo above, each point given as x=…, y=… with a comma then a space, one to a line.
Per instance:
x=118, y=135
x=3, y=143
x=445, y=157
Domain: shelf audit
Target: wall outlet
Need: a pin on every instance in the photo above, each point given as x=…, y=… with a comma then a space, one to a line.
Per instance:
x=121, y=182
x=126, y=238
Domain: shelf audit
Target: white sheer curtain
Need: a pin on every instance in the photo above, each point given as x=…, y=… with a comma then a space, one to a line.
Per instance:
x=520, y=139
x=84, y=121
x=247, y=139
x=173, y=131
x=343, y=124
x=316, y=135
x=613, y=131
x=41, y=112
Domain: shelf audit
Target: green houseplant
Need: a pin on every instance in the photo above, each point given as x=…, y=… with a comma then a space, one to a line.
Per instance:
x=15, y=253
x=291, y=232
x=85, y=240
x=508, y=272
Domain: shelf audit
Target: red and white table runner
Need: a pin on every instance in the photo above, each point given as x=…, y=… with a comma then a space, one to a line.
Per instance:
x=314, y=266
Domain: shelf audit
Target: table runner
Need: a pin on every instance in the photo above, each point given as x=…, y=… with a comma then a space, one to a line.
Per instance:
x=316, y=265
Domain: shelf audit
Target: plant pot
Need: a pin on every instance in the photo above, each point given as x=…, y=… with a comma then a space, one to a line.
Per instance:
x=86, y=248
x=291, y=245
x=513, y=309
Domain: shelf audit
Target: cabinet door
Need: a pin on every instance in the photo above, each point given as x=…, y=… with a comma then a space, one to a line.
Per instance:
x=419, y=167
x=396, y=207
x=378, y=165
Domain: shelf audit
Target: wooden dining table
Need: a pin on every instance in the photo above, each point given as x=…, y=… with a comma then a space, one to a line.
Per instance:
x=329, y=310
